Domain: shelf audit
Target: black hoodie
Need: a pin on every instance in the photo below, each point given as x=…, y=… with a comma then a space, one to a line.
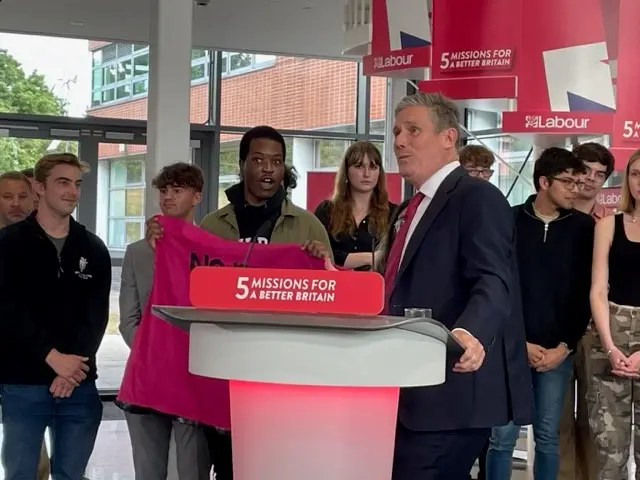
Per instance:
x=252, y=219
x=48, y=301
x=554, y=262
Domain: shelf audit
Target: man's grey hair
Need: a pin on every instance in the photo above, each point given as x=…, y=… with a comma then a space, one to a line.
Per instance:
x=443, y=110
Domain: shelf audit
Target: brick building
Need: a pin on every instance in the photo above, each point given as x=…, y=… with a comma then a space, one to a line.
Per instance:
x=291, y=93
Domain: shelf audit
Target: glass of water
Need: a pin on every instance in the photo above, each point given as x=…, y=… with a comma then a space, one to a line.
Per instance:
x=417, y=313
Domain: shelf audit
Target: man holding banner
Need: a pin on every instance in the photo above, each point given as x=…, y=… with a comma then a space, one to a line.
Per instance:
x=259, y=212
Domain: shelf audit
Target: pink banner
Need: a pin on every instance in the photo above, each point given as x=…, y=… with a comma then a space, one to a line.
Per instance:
x=156, y=375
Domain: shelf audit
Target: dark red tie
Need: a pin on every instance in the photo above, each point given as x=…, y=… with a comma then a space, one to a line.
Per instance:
x=393, y=261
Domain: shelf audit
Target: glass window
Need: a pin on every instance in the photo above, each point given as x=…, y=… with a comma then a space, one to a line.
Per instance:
x=124, y=70
x=117, y=201
x=123, y=91
x=108, y=95
x=141, y=65
x=198, y=72
x=198, y=53
x=109, y=75
x=134, y=204
x=121, y=73
x=118, y=173
x=509, y=173
x=378, y=106
x=239, y=61
x=126, y=198
x=292, y=93
x=329, y=153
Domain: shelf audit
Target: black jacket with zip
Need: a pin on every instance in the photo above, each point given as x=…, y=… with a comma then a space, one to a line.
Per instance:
x=554, y=262
x=48, y=302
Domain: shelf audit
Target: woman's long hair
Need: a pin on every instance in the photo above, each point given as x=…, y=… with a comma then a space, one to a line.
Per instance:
x=342, y=201
x=627, y=202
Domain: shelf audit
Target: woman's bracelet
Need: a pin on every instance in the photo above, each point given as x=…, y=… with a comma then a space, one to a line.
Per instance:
x=609, y=352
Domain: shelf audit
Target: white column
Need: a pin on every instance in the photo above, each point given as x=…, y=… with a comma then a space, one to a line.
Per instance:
x=168, y=127
x=396, y=91
x=303, y=159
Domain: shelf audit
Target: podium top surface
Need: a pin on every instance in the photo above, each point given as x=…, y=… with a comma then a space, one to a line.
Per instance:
x=183, y=317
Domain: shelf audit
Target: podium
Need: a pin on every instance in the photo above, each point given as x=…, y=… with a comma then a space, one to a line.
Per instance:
x=313, y=396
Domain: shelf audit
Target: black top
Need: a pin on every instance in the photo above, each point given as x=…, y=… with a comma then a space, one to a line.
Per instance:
x=48, y=301
x=344, y=243
x=554, y=263
x=255, y=222
x=624, y=265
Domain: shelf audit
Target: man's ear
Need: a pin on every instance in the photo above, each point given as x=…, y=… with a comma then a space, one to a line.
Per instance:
x=197, y=198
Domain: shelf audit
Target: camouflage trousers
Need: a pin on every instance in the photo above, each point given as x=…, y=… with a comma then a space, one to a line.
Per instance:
x=612, y=399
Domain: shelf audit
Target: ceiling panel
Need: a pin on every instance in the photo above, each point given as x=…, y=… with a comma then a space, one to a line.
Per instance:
x=296, y=27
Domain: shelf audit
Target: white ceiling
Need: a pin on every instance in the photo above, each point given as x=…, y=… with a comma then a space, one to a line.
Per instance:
x=296, y=27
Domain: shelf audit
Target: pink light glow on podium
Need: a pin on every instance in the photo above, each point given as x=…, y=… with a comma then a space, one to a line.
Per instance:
x=312, y=432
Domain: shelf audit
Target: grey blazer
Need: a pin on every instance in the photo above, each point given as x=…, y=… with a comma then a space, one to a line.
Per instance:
x=135, y=287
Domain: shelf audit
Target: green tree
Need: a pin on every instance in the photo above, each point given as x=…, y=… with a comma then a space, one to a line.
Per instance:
x=29, y=95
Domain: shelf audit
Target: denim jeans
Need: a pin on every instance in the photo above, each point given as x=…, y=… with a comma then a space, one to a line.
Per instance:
x=549, y=389
x=27, y=410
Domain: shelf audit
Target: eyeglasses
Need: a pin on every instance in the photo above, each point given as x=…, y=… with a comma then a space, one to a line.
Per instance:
x=569, y=183
x=485, y=173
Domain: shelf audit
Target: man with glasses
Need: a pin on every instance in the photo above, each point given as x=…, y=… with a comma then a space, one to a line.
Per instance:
x=477, y=161
x=553, y=242
x=577, y=451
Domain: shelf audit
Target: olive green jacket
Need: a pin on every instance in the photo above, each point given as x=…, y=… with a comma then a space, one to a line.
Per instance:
x=295, y=225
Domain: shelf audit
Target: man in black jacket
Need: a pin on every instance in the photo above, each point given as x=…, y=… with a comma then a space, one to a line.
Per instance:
x=55, y=279
x=554, y=246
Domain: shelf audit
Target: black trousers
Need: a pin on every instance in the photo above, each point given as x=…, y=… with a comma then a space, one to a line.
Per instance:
x=482, y=462
x=447, y=455
x=220, y=452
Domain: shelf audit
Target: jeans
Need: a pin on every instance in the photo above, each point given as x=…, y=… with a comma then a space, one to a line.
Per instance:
x=549, y=389
x=27, y=410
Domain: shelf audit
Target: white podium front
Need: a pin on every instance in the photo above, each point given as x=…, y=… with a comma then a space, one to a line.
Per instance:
x=313, y=397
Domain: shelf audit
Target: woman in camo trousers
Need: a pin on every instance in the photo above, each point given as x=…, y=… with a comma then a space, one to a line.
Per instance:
x=614, y=392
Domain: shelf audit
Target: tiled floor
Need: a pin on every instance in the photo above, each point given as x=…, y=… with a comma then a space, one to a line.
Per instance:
x=111, y=459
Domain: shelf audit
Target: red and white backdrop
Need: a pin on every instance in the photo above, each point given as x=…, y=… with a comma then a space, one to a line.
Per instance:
x=570, y=65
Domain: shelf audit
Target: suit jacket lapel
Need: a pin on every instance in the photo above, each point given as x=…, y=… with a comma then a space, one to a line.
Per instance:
x=433, y=210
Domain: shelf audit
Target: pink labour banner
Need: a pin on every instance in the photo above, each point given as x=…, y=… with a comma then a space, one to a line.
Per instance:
x=157, y=374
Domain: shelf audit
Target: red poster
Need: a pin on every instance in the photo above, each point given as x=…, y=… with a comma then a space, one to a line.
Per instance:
x=563, y=59
x=279, y=290
x=626, y=131
x=475, y=39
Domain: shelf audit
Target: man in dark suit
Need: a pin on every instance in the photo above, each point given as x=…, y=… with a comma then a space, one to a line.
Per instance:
x=451, y=249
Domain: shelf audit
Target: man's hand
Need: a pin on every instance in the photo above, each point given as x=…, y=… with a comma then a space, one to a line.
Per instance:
x=473, y=355
x=60, y=388
x=316, y=249
x=535, y=354
x=552, y=358
x=70, y=367
x=153, y=231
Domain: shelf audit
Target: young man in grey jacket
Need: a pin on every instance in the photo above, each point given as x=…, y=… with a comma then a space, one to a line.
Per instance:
x=180, y=188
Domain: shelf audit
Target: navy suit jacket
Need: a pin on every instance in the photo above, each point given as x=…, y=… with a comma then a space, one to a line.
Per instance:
x=460, y=262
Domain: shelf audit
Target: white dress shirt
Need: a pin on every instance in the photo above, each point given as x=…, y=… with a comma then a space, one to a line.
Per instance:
x=429, y=189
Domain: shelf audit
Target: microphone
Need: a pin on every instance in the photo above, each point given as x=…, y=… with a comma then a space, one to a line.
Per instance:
x=264, y=228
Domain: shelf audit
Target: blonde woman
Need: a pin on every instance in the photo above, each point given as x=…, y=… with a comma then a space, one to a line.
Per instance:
x=615, y=302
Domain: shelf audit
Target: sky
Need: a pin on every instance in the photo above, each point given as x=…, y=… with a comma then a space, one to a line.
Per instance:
x=65, y=63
